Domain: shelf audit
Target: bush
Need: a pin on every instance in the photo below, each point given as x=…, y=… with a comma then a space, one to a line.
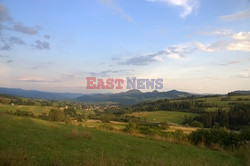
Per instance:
x=56, y=115
x=164, y=125
x=196, y=124
x=107, y=127
x=70, y=112
x=245, y=134
x=24, y=113
x=106, y=118
x=214, y=137
x=131, y=128
x=147, y=130
x=67, y=120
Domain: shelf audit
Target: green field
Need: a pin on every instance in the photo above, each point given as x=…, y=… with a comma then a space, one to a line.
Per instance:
x=36, y=110
x=233, y=99
x=160, y=116
x=26, y=141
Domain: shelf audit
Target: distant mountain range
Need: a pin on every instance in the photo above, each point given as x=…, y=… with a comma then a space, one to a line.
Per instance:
x=34, y=94
x=240, y=92
x=129, y=97
x=125, y=98
x=132, y=96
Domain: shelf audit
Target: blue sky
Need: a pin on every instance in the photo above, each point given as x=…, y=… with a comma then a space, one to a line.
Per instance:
x=194, y=45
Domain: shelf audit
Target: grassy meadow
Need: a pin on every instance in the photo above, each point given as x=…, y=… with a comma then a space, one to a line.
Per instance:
x=161, y=116
x=87, y=138
x=27, y=141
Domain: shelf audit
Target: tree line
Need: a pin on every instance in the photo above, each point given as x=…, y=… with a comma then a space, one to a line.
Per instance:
x=194, y=106
x=237, y=117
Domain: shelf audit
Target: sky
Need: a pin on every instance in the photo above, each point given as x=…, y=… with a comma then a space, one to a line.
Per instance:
x=199, y=46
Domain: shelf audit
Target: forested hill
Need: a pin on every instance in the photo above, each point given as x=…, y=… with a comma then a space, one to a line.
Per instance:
x=133, y=96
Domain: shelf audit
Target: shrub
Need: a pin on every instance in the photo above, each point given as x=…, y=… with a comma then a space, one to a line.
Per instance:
x=106, y=118
x=43, y=116
x=147, y=130
x=164, y=125
x=131, y=128
x=214, y=137
x=196, y=124
x=245, y=134
x=56, y=115
x=107, y=127
x=70, y=112
x=67, y=120
x=24, y=113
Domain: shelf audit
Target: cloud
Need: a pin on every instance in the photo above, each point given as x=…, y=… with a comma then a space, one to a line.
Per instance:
x=116, y=9
x=174, y=52
x=5, y=47
x=207, y=48
x=107, y=73
x=235, y=62
x=4, y=14
x=16, y=40
x=218, y=32
x=25, y=29
x=9, y=61
x=237, y=42
x=42, y=45
x=32, y=79
x=242, y=75
x=188, y=6
x=239, y=46
x=46, y=36
x=236, y=16
x=42, y=65
x=140, y=60
x=241, y=36
x=7, y=43
x=9, y=24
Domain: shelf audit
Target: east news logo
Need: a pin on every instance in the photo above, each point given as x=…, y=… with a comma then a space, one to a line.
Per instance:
x=131, y=83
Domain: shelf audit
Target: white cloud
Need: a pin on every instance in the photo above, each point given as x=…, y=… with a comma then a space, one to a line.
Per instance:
x=237, y=42
x=243, y=75
x=241, y=36
x=116, y=9
x=32, y=79
x=174, y=52
x=239, y=46
x=236, y=16
x=188, y=6
x=218, y=32
x=203, y=47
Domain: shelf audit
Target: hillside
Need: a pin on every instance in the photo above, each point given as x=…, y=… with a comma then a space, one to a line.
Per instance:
x=133, y=96
x=26, y=141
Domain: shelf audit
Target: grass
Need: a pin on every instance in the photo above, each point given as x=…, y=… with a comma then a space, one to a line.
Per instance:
x=225, y=104
x=160, y=116
x=36, y=110
x=37, y=142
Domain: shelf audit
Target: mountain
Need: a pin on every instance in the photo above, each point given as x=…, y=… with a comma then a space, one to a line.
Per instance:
x=133, y=96
x=124, y=98
x=240, y=92
x=39, y=94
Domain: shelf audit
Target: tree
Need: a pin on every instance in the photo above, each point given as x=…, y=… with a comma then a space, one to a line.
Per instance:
x=56, y=115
